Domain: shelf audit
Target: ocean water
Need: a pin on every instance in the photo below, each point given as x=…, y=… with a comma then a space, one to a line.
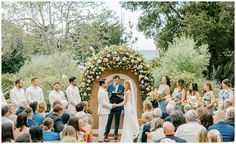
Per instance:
x=148, y=54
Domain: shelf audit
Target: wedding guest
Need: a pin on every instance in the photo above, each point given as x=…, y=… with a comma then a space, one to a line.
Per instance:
x=23, y=105
x=208, y=97
x=37, y=117
x=157, y=113
x=56, y=94
x=227, y=103
x=187, y=108
x=13, y=115
x=21, y=125
x=147, y=106
x=206, y=120
x=6, y=115
x=193, y=95
x=30, y=115
x=23, y=138
x=73, y=94
x=179, y=94
x=190, y=130
x=169, y=131
x=164, y=88
x=84, y=126
x=202, y=136
x=36, y=133
x=48, y=134
x=17, y=93
x=225, y=129
x=80, y=108
x=177, y=119
x=170, y=110
x=74, y=122
x=226, y=91
x=58, y=111
x=214, y=136
x=86, y=108
x=68, y=131
x=147, y=126
x=42, y=108
x=156, y=131
x=7, y=132
x=230, y=116
x=68, y=139
x=67, y=114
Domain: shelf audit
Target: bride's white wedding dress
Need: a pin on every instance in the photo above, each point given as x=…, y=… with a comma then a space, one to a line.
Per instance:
x=130, y=126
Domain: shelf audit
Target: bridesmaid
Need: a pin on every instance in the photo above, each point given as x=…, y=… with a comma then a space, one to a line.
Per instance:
x=226, y=91
x=193, y=95
x=179, y=94
x=164, y=88
x=208, y=97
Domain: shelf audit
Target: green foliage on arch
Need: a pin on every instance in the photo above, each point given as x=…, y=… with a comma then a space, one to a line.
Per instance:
x=116, y=57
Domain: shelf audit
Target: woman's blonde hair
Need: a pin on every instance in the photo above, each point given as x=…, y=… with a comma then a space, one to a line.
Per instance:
x=42, y=106
x=68, y=131
x=202, y=136
x=147, y=106
x=127, y=85
x=214, y=136
x=86, y=106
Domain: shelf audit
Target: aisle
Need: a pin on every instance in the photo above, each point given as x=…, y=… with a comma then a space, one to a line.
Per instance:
x=111, y=135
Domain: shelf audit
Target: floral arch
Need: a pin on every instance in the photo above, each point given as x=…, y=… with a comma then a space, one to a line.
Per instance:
x=112, y=58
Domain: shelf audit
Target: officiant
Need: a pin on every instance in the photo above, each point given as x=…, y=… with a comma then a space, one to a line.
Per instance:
x=115, y=92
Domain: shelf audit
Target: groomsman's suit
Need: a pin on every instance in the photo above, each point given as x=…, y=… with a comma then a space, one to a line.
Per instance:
x=112, y=88
x=103, y=110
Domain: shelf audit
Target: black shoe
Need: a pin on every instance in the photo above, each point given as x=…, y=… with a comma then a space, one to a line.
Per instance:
x=115, y=137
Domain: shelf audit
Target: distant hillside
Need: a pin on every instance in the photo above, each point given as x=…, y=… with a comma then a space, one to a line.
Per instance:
x=148, y=54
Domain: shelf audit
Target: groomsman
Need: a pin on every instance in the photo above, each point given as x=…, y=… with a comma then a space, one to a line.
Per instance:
x=17, y=94
x=34, y=92
x=56, y=94
x=73, y=94
x=103, y=108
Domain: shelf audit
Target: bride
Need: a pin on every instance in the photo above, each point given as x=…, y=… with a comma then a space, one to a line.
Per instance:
x=130, y=126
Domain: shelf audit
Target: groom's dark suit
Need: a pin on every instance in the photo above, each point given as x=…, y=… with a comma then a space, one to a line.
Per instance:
x=117, y=111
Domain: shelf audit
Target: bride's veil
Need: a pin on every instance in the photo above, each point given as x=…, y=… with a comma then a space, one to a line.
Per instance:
x=133, y=102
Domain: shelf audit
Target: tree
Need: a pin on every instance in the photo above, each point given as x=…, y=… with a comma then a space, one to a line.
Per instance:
x=209, y=23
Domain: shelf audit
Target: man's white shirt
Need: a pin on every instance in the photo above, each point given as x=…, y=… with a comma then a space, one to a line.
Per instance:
x=34, y=94
x=17, y=95
x=103, y=101
x=56, y=95
x=73, y=95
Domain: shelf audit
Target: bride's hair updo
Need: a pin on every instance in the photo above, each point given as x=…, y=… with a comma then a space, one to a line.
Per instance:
x=127, y=85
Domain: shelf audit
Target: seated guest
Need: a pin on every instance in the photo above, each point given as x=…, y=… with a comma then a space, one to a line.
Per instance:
x=148, y=116
x=74, y=121
x=202, y=136
x=48, y=134
x=23, y=138
x=22, y=105
x=58, y=111
x=42, y=108
x=21, y=125
x=170, y=109
x=156, y=131
x=187, y=108
x=214, y=136
x=68, y=131
x=80, y=108
x=147, y=107
x=6, y=115
x=226, y=130
x=36, y=134
x=37, y=117
x=66, y=115
x=84, y=126
x=177, y=119
x=157, y=113
x=227, y=103
x=230, y=116
x=86, y=109
x=205, y=118
x=13, y=115
x=7, y=132
x=30, y=115
x=190, y=130
x=169, y=131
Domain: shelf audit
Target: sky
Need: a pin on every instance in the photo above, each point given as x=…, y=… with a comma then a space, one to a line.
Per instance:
x=142, y=42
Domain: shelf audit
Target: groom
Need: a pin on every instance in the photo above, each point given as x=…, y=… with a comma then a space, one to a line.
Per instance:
x=103, y=108
x=115, y=91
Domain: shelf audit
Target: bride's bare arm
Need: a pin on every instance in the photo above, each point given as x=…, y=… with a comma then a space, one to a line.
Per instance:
x=125, y=100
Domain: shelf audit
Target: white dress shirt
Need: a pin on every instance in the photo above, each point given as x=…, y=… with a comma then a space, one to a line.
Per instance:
x=34, y=94
x=17, y=95
x=73, y=95
x=56, y=95
x=104, y=105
